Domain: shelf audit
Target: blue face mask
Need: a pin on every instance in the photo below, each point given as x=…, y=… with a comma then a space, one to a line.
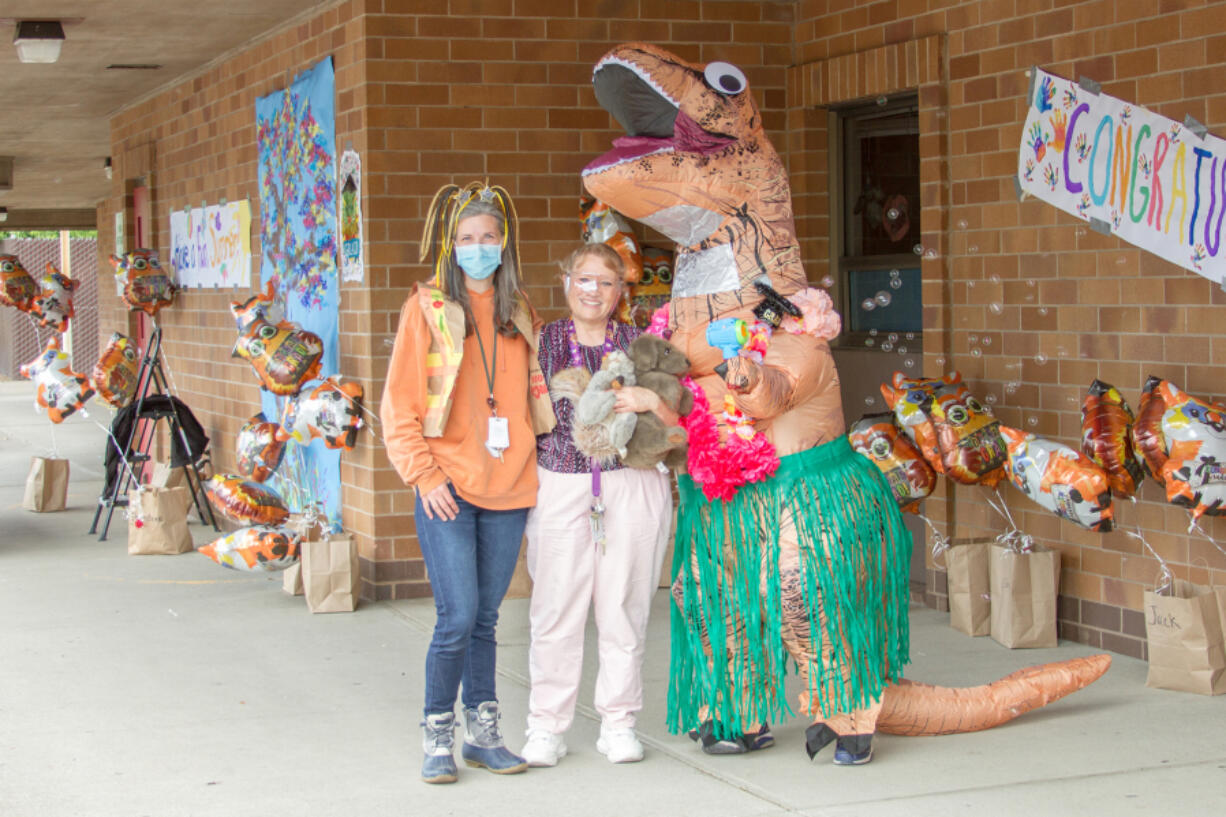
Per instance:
x=479, y=260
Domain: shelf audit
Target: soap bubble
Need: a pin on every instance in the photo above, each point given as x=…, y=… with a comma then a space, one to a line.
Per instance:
x=869, y=341
x=883, y=298
x=902, y=350
x=1012, y=386
x=887, y=347
x=893, y=337
x=892, y=214
x=827, y=281
x=973, y=338
x=873, y=331
x=1042, y=310
x=972, y=249
x=970, y=284
x=995, y=278
x=881, y=101
x=868, y=304
x=894, y=273
x=909, y=336
x=870, y=401
x=895, y=283
x=996, y=308
x=1030, y=282
x=1121, y=261
x=930, y=253
x=918, y=249
x=1032, y=421
x=1040, y=358
x=987, y=340
x=908, y=363
x=962, y=224
x=976, y=352
x=990, y=399
x=940, y=361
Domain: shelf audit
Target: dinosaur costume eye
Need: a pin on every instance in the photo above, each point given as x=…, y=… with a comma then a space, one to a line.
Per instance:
x=725, y=78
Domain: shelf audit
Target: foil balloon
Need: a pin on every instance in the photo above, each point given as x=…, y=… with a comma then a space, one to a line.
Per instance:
x=260, y=305
x=1148, y=439
x=259, y=451
x=906, y=396
x=877, y=437
x=1195, y=470
x=1060, y=479
x=53, y=305
x=1106, y=438
x=258, y=549
x=147, y=287
x=653, y=289
x=17, y=288
x=330, y=412
x=61, y=391
x=972, y=451
x=284, y=355
x=244, y=500
x=603, y=225
x=117, y=371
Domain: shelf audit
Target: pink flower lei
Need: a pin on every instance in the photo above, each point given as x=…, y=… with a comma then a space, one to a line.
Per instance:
x=719, y=467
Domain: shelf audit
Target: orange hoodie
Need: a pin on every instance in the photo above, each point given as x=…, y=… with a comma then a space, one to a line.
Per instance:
x=459, y=455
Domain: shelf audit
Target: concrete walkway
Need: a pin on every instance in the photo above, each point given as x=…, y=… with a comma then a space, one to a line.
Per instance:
x=168, y=686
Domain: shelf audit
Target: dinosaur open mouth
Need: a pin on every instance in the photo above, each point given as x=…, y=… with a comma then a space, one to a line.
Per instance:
x=653, y=121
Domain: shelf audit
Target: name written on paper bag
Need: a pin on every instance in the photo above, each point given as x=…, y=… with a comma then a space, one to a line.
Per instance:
x=1161, y=619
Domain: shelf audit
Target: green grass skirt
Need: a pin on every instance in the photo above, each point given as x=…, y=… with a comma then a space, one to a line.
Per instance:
x=726, y=571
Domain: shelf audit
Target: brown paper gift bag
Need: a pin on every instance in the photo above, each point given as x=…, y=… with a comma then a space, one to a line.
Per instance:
x=330, y=574
x=164, y=476
x=970, y=599
x=1187, y=650
x=1024, y=588
x=47, y=485
x=309, y=531
x=162, y=514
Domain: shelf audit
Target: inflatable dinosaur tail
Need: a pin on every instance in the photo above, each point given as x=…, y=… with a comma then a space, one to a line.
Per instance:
x=910, y=708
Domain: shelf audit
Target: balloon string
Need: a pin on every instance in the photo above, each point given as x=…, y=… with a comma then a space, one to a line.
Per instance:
x=170, y=375
x=131, y=513
x=940, y=542
x=1195, y=526
x=1013, y=538
x=1167, y=578
x=55, y=448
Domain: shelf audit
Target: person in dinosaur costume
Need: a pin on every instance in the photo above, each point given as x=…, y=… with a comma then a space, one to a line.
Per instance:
x=807, y=556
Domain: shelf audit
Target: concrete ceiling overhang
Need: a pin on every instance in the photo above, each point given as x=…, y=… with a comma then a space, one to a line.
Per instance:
x=57, y=116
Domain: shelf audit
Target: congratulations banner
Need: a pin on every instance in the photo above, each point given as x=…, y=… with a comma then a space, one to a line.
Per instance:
x=211, y=246
x=1140, y=176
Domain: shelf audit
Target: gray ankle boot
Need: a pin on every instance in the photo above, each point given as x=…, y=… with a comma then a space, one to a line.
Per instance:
x=483, y=746
x=438, y=741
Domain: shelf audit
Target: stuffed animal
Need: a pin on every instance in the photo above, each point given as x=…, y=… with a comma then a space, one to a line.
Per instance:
x=658, y=366
x=598, y=431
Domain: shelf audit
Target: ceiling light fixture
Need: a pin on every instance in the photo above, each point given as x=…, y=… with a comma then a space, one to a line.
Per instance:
x=4, y=214
x=106, y=167
x=38, y=40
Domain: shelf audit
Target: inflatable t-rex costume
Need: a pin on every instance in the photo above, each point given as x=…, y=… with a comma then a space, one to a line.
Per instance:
x=811, y=562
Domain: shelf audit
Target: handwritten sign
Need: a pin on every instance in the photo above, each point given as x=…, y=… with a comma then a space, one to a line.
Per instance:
x=211, y=246
x=1149, y=180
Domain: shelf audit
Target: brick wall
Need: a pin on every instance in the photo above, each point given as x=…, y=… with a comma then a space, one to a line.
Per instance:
x=1028, y=303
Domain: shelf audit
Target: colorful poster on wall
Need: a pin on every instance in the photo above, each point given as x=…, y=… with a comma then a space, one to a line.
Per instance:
x=1149, y=180
x=350, y=187
x=295, y=133
x=211, y=246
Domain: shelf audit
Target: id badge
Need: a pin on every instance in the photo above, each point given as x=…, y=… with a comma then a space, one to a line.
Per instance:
x=499, y=436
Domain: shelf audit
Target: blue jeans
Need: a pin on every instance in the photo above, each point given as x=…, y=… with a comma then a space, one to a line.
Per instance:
x=470, y=560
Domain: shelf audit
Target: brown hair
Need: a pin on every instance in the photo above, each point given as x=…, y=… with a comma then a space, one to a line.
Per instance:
x=602, y=251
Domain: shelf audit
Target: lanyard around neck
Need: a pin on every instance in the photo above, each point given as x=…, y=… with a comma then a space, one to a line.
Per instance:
x=490, y=366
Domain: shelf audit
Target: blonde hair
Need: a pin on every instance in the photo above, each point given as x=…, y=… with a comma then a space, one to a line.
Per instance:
x=602, y=251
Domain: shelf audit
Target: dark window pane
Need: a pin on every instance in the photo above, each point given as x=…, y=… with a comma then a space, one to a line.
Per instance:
x=904, y=311
x=882, y=185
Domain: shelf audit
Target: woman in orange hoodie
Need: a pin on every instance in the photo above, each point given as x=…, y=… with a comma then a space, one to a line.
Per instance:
x=463, y=404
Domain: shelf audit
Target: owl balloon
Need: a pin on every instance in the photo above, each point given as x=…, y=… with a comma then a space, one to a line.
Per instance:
x=147, y=287
x=284, y=355
x=17, y=288
x=61, y=391
x=331, y=412
x=54, y=304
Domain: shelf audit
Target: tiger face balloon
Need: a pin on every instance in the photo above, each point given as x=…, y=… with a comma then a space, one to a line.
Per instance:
x=330, y=412
x=1106, y=438
x=1060, y=479
x=147, y=287
x=257, y=549
x=972, y=451
x=1195, y=471
x=61, y=391
x=244, y=500
x=1148, y=440
x=877, y=437
x=284, y=355
x=116, y=373
x=53, y=305
x=259, y=451
x=907, y=396
x=17, y=288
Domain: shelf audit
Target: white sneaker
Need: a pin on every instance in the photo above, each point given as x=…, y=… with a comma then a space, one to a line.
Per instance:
x=543, y=748
x=619, y=744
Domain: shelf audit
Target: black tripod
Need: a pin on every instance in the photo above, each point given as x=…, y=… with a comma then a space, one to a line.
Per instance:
x=151, y=381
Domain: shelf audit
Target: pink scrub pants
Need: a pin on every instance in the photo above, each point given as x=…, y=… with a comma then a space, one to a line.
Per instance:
x=569, y=571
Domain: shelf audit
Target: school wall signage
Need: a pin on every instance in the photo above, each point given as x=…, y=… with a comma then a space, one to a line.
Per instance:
x=211, y=246
x=1156, y=183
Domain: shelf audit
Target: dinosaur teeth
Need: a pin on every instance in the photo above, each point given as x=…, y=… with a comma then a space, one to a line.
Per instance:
x=611, y=159
x=639, y=72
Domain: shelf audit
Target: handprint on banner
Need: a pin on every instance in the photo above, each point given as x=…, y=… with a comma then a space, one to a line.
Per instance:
x=1051, y=175
x=1047, y=93
x=1059, y=124
x=1038, y=141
